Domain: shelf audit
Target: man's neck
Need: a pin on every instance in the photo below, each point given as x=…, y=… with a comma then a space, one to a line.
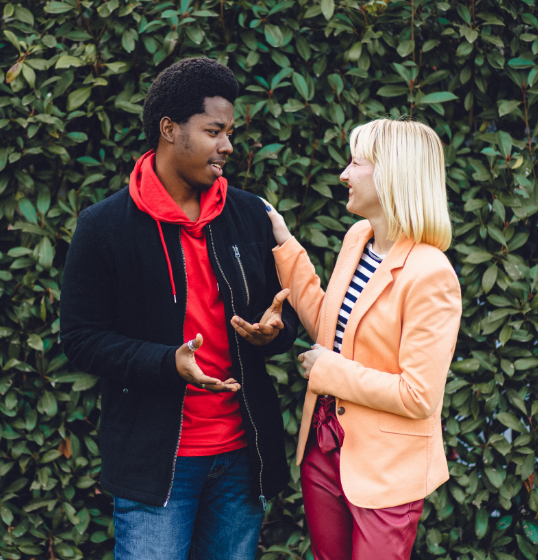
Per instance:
x=183, y=194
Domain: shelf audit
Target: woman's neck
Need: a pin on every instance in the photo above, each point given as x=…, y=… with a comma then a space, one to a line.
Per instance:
x=382, y=244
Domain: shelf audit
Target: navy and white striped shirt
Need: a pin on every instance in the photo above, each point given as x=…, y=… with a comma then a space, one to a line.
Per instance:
x=368, y=264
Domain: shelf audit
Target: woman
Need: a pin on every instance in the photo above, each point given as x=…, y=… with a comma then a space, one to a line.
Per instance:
x=386, y=328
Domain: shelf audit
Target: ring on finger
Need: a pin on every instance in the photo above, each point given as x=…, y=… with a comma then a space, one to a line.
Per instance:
x=190, y=345
x=203, y=385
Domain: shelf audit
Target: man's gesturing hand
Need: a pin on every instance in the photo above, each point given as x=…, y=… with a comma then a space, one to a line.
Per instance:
x=269, y=326
x=188, y=369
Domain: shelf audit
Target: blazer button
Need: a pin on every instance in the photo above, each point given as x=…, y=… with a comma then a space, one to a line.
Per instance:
x=341, y=410
x=126, y=390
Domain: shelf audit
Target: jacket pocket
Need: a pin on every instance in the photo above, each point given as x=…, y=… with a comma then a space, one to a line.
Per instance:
x=395, y=424
x=249, y=264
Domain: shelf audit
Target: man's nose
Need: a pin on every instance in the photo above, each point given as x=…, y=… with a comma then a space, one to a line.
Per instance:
x=225, y=146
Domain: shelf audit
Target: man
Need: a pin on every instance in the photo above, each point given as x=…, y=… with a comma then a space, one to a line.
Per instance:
x=156, y=280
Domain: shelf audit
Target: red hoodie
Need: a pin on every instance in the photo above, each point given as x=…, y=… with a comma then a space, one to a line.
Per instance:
x=212, y=422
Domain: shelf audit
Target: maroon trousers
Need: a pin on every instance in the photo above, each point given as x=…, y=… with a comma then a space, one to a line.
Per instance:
x=340, y=530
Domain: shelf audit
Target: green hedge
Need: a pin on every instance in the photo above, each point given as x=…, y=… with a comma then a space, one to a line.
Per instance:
x=73, y=76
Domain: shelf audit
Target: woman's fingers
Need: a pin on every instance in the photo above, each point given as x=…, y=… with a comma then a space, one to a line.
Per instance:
x=280, y=229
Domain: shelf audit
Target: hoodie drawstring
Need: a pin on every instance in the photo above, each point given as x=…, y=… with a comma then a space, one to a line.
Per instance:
x=167, y=260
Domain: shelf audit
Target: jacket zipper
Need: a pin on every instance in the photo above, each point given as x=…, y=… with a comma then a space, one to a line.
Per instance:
x=238, y=257
x=262, y=497
x=185, y=393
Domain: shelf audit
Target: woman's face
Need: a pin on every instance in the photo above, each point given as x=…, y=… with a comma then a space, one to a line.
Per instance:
x=363, y=199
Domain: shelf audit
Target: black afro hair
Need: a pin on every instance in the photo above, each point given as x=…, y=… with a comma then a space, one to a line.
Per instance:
x=180, y=90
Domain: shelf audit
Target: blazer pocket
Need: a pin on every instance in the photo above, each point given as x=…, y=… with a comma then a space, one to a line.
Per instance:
x=392, y=423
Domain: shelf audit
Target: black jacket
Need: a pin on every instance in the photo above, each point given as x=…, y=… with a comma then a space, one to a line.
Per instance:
x=119, y=321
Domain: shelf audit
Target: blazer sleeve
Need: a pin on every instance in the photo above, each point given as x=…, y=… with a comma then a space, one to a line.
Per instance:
x=297, y=273
x=87, y=331
x=285, y=339
x=431, y=318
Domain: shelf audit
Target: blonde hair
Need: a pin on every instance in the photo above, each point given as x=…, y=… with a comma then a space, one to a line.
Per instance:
x=409, y=178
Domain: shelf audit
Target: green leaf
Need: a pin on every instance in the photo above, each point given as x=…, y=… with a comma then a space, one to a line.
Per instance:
x=524, y=364
x=430, y=44
x=273, y=35
x=278, y=373
x=66, y=61
x=405, y=48
x=465, y=366
x=58, y=8
x=526, y=548
x=35, y=342
x=28, y=210
x=504, y=141
x=520, y=63
x=510, y=421
x=464, y=13
x=13, y=72
x=49, y=404
x=24, y=15
x=50, y=455
x=392, y=91
x=71, y=513
x=115, y=66
x=318, y=239
x=300, y=84
x=268, y=152
x=330, y=223
x=77, y=98
x=439, y=97
x=128, y=40
x=489, y=278
x=530, y=528
x=96, y=177
x=313, y=11
x=12, y=39
x=327, y=9
x=464, y=49
x=506, y=107
x=84, y=382
x=287, y=204
x=494, y=476
x=29, y=74
x=478, y=257
x=481, y=523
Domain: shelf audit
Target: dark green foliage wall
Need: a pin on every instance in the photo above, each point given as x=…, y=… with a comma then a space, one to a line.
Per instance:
x=73, y=76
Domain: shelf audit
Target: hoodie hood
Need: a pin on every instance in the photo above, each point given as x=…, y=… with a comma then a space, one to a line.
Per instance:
x=151, y=197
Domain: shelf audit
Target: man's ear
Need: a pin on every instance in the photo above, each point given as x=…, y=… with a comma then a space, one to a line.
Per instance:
x=167, y=129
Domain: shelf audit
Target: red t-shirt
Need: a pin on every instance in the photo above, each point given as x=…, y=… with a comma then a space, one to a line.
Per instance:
x=212, y=422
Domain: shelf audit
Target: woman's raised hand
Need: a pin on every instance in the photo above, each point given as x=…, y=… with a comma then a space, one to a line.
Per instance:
x=280, y=229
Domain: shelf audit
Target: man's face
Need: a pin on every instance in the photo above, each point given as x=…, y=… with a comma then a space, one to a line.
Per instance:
x=201, y=146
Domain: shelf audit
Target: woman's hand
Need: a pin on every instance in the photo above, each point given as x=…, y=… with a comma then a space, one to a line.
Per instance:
x=189, y=370
x=308, y=359
x=280, y=229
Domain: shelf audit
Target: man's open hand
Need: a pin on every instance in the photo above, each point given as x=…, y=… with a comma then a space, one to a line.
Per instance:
x=269, y=326
x=188, y=369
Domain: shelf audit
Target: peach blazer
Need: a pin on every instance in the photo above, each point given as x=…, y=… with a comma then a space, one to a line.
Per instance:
x=390, y=375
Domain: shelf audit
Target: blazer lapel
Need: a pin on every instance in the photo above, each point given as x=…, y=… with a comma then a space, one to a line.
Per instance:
x=374, y=288
x=340, y=284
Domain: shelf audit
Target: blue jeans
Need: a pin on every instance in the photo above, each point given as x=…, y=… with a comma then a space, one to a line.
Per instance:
x=213, y=512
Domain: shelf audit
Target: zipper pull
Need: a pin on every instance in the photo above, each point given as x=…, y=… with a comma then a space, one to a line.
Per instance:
x=264, y=502
x=236, y=251
x=218, y=289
